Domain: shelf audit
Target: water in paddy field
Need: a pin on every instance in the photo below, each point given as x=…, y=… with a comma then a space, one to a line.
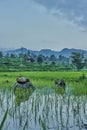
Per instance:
x=43, y=110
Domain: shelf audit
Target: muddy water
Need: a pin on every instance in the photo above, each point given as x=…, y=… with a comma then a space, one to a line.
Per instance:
x=43, y=110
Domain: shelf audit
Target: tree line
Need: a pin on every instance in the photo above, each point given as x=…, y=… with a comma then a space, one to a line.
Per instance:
x=76, y=61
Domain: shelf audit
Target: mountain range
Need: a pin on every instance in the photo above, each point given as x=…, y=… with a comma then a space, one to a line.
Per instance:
x=46, y=52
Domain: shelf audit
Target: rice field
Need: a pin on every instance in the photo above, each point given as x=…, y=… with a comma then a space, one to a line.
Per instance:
x=47, y=107
x=41, y=110
x=74, y=80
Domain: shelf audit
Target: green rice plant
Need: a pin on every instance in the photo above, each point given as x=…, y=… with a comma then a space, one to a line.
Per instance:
x=1, y=101
x=78, y=88
x=42, y=123
x=4, y=119
x=24, y=128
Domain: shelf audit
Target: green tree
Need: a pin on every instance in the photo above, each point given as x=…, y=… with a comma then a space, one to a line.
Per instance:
x=77, y=59
x=7, y=55
x=53, y=63
x=1, y=54
x=39, y=59
x=12, y=56
x=21, y=55
x=28, y=53
x=25, y=56
x=52, y=58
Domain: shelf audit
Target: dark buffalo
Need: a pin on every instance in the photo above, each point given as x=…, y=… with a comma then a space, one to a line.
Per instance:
x=60, y=83
x=23, y=82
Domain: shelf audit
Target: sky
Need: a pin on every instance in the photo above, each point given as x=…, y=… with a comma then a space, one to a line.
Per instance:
x=43, y=24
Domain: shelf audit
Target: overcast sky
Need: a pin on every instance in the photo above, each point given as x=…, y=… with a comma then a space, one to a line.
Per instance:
x=38, y=24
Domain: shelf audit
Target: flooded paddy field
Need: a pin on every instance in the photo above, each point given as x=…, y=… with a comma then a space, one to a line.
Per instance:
x=42, y=109
x=47, y=107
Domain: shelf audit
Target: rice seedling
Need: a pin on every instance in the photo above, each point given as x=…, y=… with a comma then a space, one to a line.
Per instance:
x=25, y=125
x=4, y=119
x=52, y=110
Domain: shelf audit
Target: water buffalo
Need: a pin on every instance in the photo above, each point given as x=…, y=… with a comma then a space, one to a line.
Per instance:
x=23, y=82
x=60, y=83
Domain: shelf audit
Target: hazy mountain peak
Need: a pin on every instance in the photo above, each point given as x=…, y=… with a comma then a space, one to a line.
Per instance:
x=46, y=52
x=65, y=49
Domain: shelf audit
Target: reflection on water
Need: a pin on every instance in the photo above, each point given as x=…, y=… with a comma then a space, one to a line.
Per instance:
x=44, y=110
x=22, y=95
